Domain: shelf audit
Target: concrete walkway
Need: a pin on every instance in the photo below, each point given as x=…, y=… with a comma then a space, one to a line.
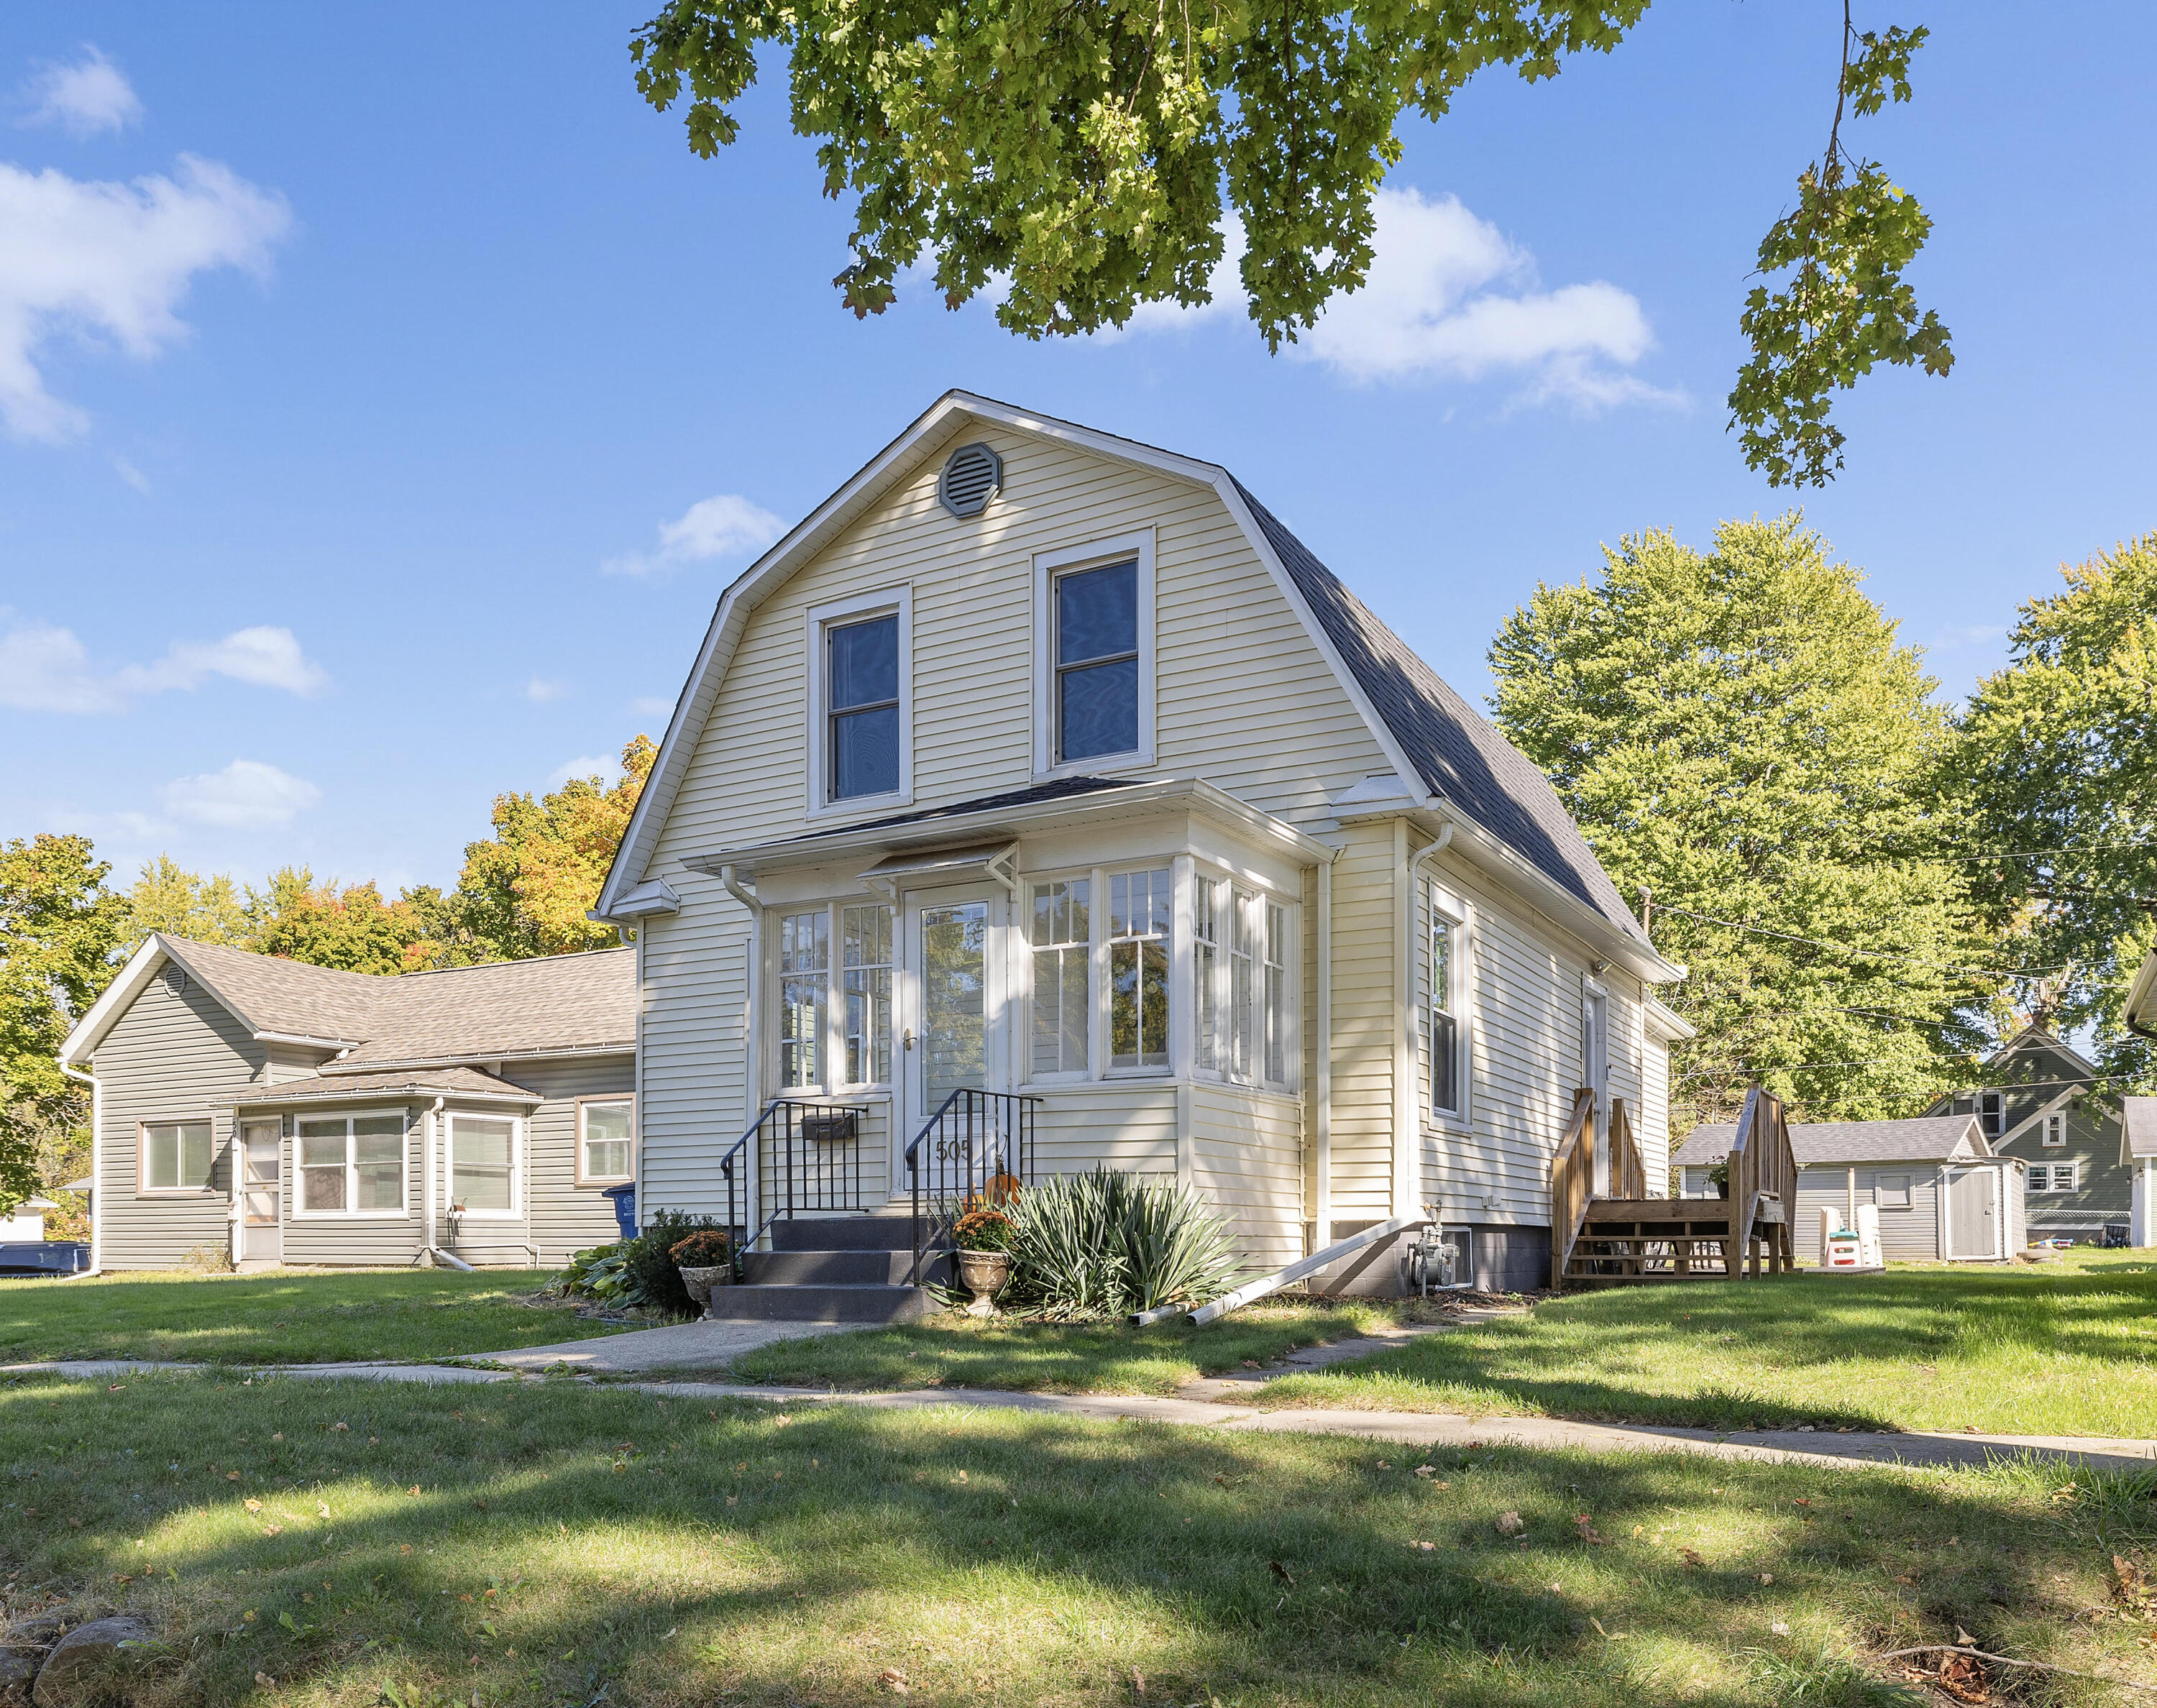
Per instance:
x=1836, y=1451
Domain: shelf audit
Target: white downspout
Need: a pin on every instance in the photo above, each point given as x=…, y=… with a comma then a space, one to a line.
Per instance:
x=1408, y=1092
x=96, y=1163
x=1322, y=1116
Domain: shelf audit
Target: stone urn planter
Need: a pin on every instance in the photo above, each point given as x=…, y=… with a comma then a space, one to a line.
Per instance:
x=699, y=1280
x=984, y=1273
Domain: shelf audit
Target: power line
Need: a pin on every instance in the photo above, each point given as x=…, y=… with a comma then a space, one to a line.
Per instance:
x=1866, y=954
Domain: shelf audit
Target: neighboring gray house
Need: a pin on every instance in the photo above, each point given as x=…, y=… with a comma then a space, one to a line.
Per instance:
x=299, y=1114
x=2040, y=1103
x=1907, y=1169
x=2138, y=1126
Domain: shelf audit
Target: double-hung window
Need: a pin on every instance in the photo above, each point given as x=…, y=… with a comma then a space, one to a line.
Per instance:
x=1989, y=1107
x=2053, y=1176
x=834, y=1023
x=1061, y=933
x=1273, y=992
x=606, y=1139
x=483, y=1164
x=860, y=745
x=177, y=1156
x=1140, y=909
x=350, y=1165
x=1241, y=943
x=2056, y=1131
x=1093, y=665
x=1207, y=907
x=1446, y=968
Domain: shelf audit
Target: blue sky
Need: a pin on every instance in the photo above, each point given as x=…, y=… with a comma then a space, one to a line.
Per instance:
x=366, y=379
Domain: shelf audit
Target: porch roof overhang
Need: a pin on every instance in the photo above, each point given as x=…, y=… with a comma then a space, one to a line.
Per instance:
x=460, y=1085
x=977, y=832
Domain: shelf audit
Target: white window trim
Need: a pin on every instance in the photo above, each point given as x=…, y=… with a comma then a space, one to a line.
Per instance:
x=515, y=1212
x=300, y=1211
x=1455, y=910
x=2049, y=1122
x=835, y=614
x=143, y=1189
x=1095, y=1012
x=1047, y=567
x=584, y=1179
x=2052, y=1174
x=1097, y=961
x=1243, y=890
x=833, y=1044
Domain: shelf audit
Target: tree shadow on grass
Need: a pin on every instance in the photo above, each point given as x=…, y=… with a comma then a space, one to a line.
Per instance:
x=684, y=1551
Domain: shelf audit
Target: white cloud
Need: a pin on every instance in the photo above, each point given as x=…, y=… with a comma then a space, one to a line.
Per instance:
x=245, y=795
x=85, y=98
x=721, y=526
x=652, y=706
x=599, y=765
x=45, y=668
x=539, y=691
x=113, y=261
x=1449, y=297
x=134, y=476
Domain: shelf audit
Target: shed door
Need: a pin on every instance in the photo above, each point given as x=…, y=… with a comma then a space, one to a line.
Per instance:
x=1973, y=1212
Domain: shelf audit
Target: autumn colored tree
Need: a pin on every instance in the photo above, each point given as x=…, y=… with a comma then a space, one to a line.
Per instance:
x=525, y=891
x=1741, y=738
x=60, y=926
x=325, y=925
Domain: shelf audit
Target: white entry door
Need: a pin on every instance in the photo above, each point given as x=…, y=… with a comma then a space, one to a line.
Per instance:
x=953, y=1033
x=261, y=1191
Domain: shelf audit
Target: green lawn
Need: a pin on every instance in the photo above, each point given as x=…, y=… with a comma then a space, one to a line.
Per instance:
x=555, y=1544
x=278, y=1317
x=954, y=1351
x=2069, y=1349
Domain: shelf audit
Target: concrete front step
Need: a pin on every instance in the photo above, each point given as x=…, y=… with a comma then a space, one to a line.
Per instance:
x=834, y=1269
x=878, y=1232
x=818, y=1304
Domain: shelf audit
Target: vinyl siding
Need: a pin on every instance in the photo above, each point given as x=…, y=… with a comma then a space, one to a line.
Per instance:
x=1128, y=1124
x=1247, y=1157
x=167, y=1058
x=1653, y=1128
x=2104, y=1186
x=1365, y=1010
x=1906, y=1236
x=566, y=1217
x=341, y=1241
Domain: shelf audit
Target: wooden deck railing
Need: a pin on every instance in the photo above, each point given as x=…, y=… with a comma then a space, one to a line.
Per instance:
x=1763, y=1187
x=1629, y=1174
x=1573, y=1181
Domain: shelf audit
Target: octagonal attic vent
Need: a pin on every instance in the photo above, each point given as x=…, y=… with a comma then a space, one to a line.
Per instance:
x=176, y=979
x=973, y=474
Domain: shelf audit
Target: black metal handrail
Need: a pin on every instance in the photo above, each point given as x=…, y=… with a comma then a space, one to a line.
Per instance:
x=973, y=1149
x=807, y=1157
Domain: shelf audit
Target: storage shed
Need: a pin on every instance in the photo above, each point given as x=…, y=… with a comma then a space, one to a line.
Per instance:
x=1940, y=1190
x=2138, y=1151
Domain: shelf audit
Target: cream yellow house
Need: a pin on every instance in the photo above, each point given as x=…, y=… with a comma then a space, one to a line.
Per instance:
x=1040, y=800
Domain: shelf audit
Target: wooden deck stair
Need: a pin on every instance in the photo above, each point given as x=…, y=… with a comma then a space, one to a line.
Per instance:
x=1621, y=1235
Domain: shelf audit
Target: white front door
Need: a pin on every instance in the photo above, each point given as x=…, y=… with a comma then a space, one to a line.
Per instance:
x=953, y=1032
x=261, y=1190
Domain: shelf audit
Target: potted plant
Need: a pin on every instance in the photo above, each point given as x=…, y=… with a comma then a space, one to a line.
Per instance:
x=706, y=1260
x=983, y=1236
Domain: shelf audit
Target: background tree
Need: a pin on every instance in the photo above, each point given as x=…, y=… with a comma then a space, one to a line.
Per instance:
x=2055, y=785
x=525, y=891
x=1739, y=732
x=58, y=928
x=325, y=925
x=168, y=898
x=1089, y=155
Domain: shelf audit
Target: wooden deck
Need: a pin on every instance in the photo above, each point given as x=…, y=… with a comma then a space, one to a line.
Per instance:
x=1669, y=1239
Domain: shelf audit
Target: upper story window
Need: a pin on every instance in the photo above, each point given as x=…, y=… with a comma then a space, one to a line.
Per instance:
x=861, y=747
x=1989, y=1107
x=2055, y=1177
x=2056, y=1131
x=1094, y=676
x=1446, y=971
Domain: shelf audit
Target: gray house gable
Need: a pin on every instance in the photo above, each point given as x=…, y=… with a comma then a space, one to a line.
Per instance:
x=2041, y=1078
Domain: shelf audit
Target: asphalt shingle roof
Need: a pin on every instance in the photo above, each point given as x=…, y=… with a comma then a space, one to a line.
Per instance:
x=1458, y=755
x=424, y=1082
x=558, y=1005
x=2139, y=1116
x=1926, y=1139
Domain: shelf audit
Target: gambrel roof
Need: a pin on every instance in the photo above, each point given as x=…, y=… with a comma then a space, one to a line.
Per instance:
x=1462, y=767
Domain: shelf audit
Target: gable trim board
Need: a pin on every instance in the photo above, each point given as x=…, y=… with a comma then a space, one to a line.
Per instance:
x=1455, y=744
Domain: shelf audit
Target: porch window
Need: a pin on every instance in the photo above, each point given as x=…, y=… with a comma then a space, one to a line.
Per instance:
x=861, y=686
x=1139, y=914
x=1445, y=1042
x=483, y=1164
x=805, y=972
x=1243, y=989
x=177, y=1156
x=1097, y=662
x=865, y=949
x=1273, y=993
x=350, y=1165
x=605, y=1139
x=1205, y=972
x=1062, y=934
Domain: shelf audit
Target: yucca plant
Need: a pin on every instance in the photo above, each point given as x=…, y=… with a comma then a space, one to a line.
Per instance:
x=1176, y=1250
x=1093, y=1244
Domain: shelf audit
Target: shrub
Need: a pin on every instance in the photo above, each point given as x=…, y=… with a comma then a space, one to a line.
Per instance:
x=640, y=1272
x=710, y=1249
x=982, y=1229
x=1090, y=1244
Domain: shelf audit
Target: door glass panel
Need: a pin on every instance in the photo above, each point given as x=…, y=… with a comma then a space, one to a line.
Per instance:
x=954, y=939
x=259, y=1161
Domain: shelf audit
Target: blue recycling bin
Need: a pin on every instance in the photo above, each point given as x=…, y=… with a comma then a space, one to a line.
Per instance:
x=624, y=1208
